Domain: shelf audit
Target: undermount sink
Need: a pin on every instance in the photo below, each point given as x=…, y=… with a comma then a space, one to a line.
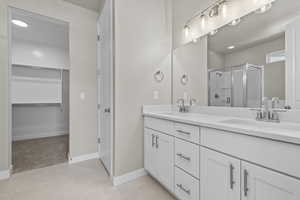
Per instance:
x=257, y=124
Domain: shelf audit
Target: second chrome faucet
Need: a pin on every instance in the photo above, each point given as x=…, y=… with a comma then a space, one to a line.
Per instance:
x=185, y=105
x=267, y=114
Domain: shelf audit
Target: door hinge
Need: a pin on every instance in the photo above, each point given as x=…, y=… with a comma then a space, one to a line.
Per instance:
x=98, y=106
x=99, y=140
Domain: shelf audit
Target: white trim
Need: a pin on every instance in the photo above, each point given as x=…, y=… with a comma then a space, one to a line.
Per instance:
x=129, y=177
x=17, y=137
x=82, y=158
x=4, y=174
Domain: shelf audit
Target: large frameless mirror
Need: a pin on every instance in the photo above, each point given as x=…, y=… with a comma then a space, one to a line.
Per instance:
x=238, y=64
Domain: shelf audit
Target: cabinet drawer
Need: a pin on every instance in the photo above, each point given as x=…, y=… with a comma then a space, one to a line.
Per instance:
x=271, y=154
x=186, y=187
x=159, y=125
x=187, y=132
x=187, y=156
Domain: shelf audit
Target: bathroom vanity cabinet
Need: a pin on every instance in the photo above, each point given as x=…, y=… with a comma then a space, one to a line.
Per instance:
x=195, y=162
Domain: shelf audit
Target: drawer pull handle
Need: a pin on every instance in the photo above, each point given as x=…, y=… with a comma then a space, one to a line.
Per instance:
x=183, y=132
x=246, y=189
x=232, y=182
x=187, y=191
x=184, y=157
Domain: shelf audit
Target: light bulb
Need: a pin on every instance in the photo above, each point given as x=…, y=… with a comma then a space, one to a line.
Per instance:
x=231, y=47
x=203, y=20
x=235, y=22
x=19, y=23
x=186, y=31
x=224, y=10
x=265, y=8
x=213, y=32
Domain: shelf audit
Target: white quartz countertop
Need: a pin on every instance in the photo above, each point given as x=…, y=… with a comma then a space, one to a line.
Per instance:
x=284, y=131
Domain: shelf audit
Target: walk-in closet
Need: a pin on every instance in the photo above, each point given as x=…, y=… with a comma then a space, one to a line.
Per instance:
x=39, y=91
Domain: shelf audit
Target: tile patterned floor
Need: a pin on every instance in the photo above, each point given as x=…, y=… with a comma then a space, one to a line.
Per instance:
x=82, y=181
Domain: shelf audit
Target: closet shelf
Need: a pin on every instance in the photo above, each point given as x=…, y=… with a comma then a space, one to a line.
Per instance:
x=32, y=79
x=36, y=103
x=39, y=67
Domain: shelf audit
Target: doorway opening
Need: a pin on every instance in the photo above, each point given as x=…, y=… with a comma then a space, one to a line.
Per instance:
x=39, y=90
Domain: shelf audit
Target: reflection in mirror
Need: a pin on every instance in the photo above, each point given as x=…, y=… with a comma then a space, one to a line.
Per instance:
x=246, y=62
x=243, y=62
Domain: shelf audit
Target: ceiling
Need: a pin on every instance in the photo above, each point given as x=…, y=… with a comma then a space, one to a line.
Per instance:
x=256, y=28
x=94, y=5
x=40, y=29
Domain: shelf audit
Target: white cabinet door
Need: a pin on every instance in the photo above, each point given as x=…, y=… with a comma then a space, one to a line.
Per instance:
x=150, y=152
x=165, y=160
x=262, y=184
x=220, y=176
x=293, y=64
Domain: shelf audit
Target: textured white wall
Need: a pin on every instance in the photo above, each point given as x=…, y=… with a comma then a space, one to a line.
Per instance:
x=143, y=44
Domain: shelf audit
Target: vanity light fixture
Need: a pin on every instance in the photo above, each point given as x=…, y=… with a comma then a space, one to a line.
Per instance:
x=19, y=23
x=235, y=22
x=214, y=10
x=231, y=47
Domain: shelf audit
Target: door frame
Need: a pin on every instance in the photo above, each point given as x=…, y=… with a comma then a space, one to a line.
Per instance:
x=9, y=114
x=112, y=86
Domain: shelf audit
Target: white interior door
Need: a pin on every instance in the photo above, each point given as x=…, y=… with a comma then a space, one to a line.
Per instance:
x=105, y=89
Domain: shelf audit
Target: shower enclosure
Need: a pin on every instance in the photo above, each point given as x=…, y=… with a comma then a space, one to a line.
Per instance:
x=237, y=86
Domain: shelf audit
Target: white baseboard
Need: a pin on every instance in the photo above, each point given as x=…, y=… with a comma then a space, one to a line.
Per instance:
x=17, y=137
x=129, y=177
x=77, y=159
x=4, y=174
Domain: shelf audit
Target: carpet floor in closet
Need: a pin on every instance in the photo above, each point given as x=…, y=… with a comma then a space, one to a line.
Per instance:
x=39, y=153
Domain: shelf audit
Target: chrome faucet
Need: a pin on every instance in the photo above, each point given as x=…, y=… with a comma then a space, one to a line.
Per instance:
x=269, y=115
x=183, y=107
